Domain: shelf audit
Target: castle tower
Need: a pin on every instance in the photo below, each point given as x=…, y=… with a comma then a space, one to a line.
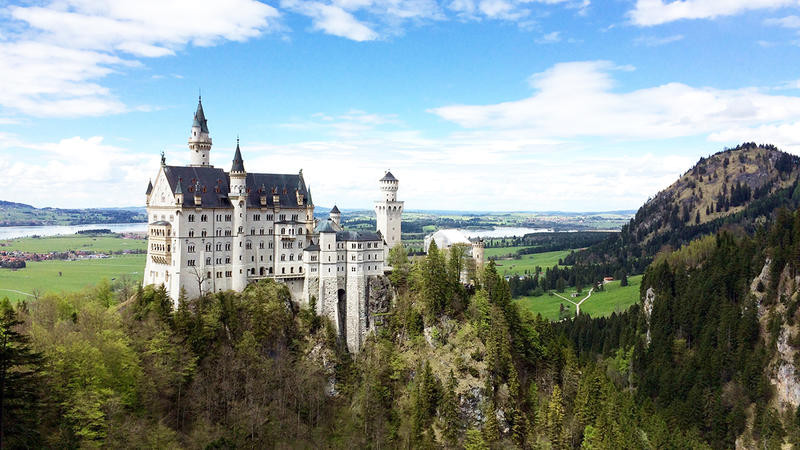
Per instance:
x=389, y=211
x=335, y=215
x=478, y=252
x=199, y=140
x=238, y=196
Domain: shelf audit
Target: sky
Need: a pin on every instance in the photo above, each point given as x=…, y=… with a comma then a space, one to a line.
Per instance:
x=478, y=105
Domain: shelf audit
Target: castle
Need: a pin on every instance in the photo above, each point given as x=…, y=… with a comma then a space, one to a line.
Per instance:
x=211, y=230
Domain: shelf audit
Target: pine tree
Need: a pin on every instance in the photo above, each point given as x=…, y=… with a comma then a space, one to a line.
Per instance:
x=449, y=412
x=519, y=424
x=555, y=419
x=20, y=397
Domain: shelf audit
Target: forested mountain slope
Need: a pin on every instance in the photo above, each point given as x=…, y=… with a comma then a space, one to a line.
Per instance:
x=742, y=186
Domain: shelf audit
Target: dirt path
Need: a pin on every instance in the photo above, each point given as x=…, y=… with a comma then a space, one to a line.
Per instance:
x=578, y=304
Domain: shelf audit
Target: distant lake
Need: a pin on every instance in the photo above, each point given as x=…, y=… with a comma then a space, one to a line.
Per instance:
x=53, y=230
x=499, y=232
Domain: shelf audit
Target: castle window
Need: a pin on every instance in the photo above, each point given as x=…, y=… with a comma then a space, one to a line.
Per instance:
x=191, y=233
x=228, y=217
x=248, y=246
x=227, y=232
x=204, y=218
x=219, y=246
x=283, y=230
x=203, y=233
x=283, y=269
x=191, y=248
x=208, y=275
x=191, y=217
x=190, y=263
x=291, y=257
x=283, y=217
x=219, y=260
x=261, y=231
x=228, y=273
x=300, y=231
x=256, y=217
x=228, y=260
x=353, y=269
x=291, y=269
x=261, y=245
x=252, y=231
x=219, y=274
x=208, y=246
x=228, y=246
x=269, y=216
x=208, y=261
x=283, y=257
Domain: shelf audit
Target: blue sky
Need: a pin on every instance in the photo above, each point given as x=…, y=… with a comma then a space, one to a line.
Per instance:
x=473, y=104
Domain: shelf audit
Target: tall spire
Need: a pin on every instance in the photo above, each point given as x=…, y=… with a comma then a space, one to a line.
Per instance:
x=200, y=117
x=238, y=162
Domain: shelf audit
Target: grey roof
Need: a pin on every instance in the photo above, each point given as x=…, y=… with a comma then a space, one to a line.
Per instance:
x=160, y=223
x=149, y=187
x=335, y=210
x=200, y=117
x=238, y=163
x=312, y=248
x=326, y=226
x=357, y=236
x=178, y=189
x=388, y=177
x=211, y=178
x=308, y=196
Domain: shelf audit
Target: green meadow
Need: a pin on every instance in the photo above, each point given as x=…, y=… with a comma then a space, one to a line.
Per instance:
x=72, y=242
x=527, y=263
x=613, y=298
x=75, y=275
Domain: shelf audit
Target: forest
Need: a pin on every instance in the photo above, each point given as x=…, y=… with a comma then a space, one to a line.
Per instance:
x=453, y=367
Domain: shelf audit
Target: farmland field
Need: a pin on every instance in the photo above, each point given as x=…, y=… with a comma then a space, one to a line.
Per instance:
x=613, y=298
x=527, y=263
x=546, y=305
x=73, y=242
x=75, y=275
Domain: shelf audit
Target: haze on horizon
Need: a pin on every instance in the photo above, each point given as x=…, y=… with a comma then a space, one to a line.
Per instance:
x=479, y=105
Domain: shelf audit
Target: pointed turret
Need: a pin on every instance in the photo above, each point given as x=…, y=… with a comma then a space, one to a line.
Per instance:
x=335, y=215
x=238, y=162
x=149, y=187
x=200, y=117
x=199, y=140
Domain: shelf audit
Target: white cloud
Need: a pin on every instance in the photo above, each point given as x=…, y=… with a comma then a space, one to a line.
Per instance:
x=333, y=20
x=785, y=22
x=657, y=12
x=74, y=172
x=785, y=136
x=549, y=38
x=653, y=41
x=60, y=51
x=577, y=99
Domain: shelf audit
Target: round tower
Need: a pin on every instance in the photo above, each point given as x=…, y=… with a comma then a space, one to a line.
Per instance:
x=238, y=196
x=389, y=211
x=199, y=139
x=478, y=252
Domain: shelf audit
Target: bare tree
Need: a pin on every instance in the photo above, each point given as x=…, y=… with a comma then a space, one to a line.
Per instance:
x=201, y=276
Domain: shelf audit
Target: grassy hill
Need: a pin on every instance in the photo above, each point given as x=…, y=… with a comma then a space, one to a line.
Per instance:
x=740, y=187
x=20, y=214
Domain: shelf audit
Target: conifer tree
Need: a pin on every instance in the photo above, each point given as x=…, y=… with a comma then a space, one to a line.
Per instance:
x=20, y=397
x=555, y=419
x=449, y=412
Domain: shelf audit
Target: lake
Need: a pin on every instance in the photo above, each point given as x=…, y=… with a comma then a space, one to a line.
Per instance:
x=53, y=230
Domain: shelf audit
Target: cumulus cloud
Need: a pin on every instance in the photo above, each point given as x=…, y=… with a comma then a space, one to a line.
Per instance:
x=577, y=99
x=74, y=172
x=59, y=52
x=657, y=12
